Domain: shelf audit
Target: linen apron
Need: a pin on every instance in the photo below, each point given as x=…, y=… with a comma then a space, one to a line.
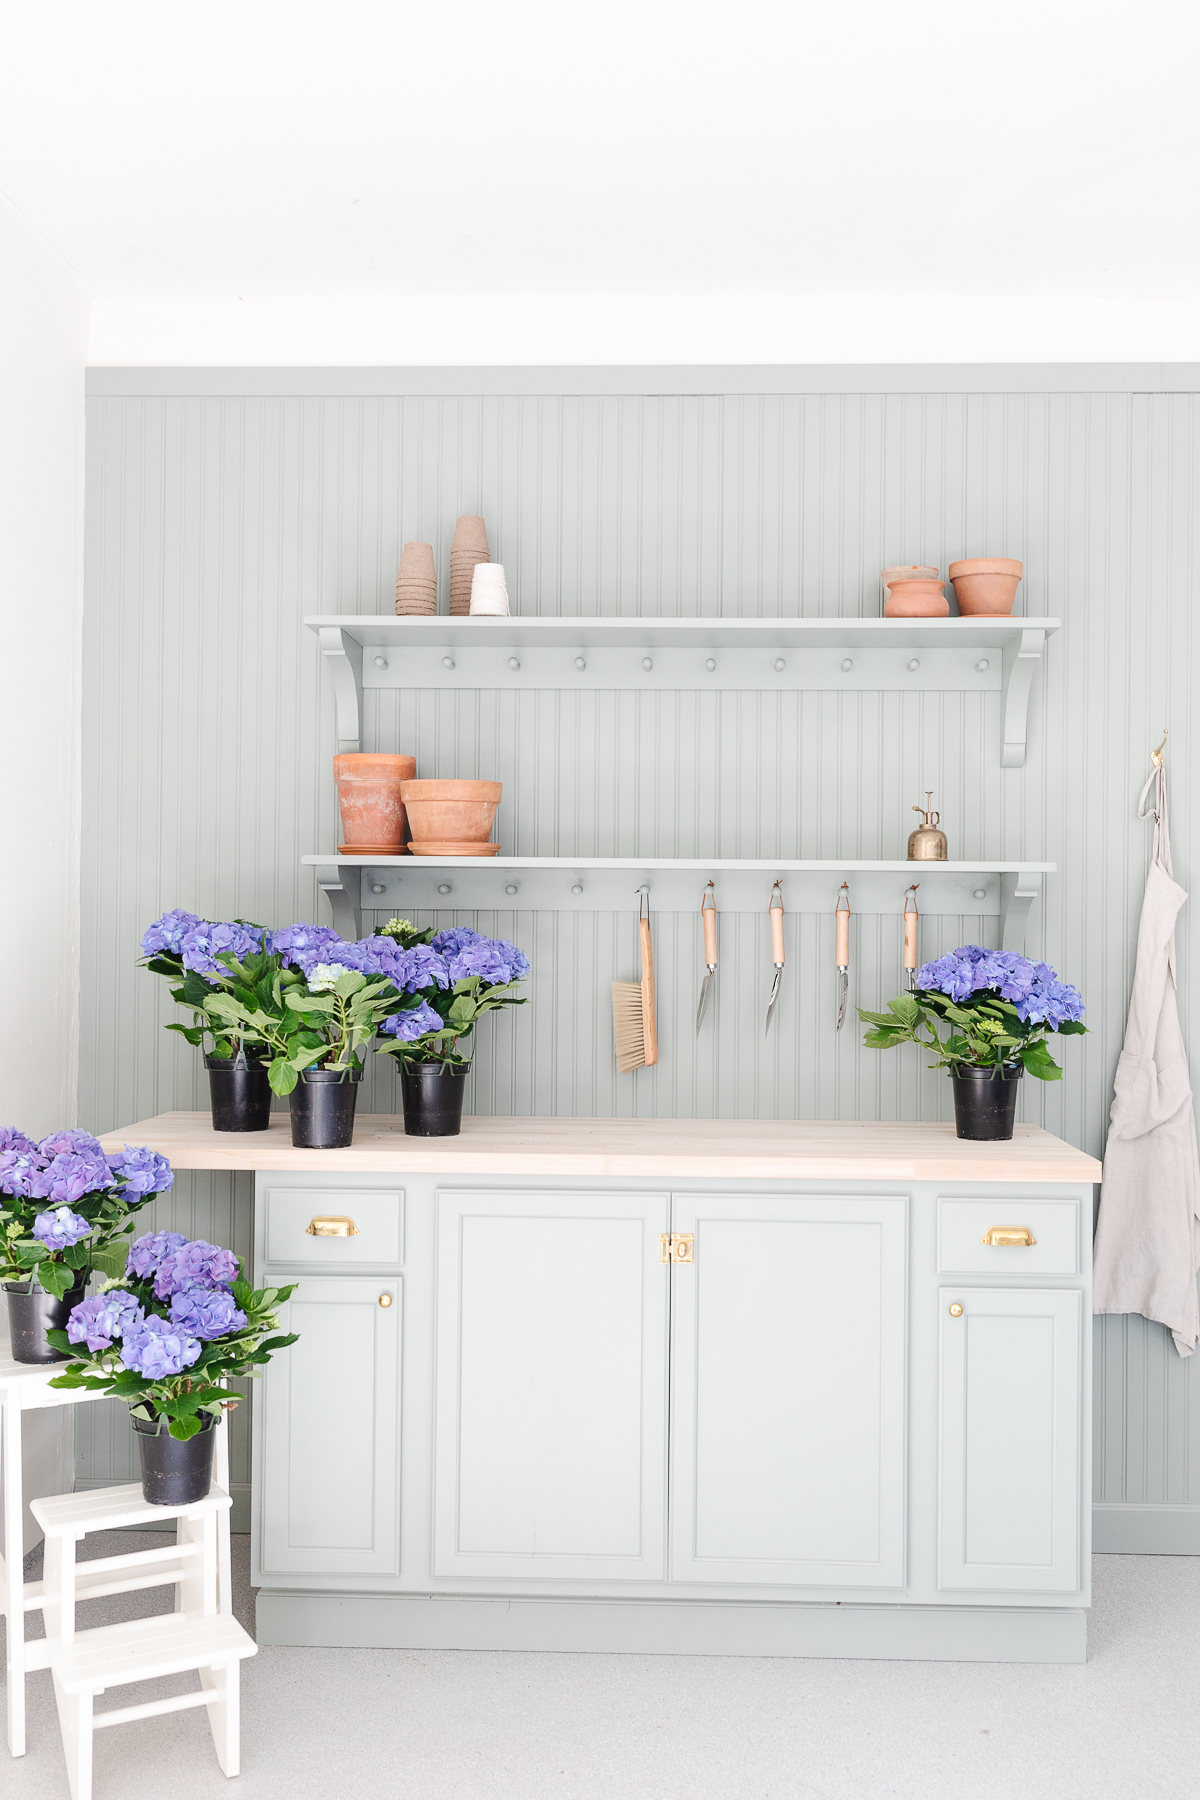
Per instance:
x=1147, y=1247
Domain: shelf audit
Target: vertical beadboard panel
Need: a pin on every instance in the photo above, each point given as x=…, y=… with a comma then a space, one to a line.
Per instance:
x=214, y=524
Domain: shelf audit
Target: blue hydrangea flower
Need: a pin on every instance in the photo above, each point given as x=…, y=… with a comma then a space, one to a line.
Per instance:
x=71, y=1175
x=206, y=942
x=195, y=1265
x=20, y=1172
x=60, y=1228
x=455, y=939
x=168, y=933
x=1033, y=988
x=146, y=1253
x=159, y=1349
x=494, y=960
x=141, y=1170
x=61, y=1142
x=411, y=970
x=294, y=942
x=12, y=1139
x=98, y=1320
x=407, y=1026
x=207, y=1313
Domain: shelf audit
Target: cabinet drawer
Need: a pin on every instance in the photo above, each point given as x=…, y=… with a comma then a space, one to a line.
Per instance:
x=377, y=1218
x=963, y=1226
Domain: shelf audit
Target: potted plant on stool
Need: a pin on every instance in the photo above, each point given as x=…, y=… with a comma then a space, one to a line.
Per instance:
x=64, y=1210
x=448, y=981
x=168, y=1339
x=1000, y=1008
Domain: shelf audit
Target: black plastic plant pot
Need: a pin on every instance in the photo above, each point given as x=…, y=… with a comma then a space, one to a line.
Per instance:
x=32, y=1312
x=240, y=1094
x=175, y=1472
x=322, y=1103
x=985, y=1102
x=433, y=1100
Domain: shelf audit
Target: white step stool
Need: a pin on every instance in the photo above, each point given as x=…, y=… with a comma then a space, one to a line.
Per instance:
x=200, y=1635
x=25, y=1387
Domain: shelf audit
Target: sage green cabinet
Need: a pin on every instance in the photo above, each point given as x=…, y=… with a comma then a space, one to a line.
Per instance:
x=328, y=1432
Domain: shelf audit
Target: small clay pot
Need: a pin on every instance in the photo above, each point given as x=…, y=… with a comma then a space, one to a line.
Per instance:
x=986, y=585
x=370, y=798
x=916, y=600
x=460, y=811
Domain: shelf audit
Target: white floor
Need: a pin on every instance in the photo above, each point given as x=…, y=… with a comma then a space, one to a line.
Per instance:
x=318, y=1724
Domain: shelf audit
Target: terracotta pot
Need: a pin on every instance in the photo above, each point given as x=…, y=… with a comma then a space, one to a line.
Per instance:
x=916, y=600
x=459, y=811
x=913, y=572
x=986, y=585
x=371, y=799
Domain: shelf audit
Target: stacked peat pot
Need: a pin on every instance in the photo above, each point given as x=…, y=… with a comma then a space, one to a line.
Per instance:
x=470, y=546
x=416, y=582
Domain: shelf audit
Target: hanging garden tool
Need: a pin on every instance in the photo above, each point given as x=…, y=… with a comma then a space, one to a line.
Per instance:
x=842, y=916
x=708, y=913
x=911, y=921
x=777, y=955
x=634, y=1025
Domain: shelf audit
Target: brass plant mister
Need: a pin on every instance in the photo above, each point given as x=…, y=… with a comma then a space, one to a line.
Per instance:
x=927, y=843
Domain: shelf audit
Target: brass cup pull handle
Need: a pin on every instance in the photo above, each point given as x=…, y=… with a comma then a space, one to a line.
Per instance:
x=1008, y=1237
x=332, y=1227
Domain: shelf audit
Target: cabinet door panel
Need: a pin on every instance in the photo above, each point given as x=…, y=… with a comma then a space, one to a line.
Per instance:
x=551, y=1385
x=788, y=1395
x=329, y=1430
x=1010, y=1440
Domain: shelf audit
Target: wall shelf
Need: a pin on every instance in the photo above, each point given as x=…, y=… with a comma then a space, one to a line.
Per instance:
x=693, y=654
x=408, y=884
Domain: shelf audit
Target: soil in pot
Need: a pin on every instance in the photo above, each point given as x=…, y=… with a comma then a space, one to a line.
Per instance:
x=322, y=1107
x=433, y=1100
x=32, y=1312
x=175, y=1472
x=985, y=1102
x=451, y=811
x=240, y=1093
x=370, y=799
x=986, y=585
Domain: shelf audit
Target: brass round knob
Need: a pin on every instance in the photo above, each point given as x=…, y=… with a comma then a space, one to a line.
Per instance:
x=955, y=1310
x=386, y=1300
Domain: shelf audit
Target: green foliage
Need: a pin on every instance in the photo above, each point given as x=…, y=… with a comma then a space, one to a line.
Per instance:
x=986, y=1032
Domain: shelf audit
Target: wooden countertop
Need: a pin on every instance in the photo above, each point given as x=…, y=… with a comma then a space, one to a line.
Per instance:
x=746, y=1149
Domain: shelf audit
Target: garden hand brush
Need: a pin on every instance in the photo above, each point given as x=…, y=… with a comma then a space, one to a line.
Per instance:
x=633, y=1007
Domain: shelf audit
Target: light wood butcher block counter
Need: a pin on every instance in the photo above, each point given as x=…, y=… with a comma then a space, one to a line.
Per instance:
x=658, y=1149
x=753, y=1386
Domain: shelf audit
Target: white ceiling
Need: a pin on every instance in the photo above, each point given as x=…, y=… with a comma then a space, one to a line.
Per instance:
x=707, y=147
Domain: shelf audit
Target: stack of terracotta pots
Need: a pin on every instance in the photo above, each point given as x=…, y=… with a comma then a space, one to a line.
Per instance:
x=451, y=818
x=371, y=798
x=470, y=546
x=416, y=583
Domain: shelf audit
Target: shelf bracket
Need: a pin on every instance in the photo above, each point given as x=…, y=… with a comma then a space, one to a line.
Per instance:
x=343, y=659
x=342, y=887
x=1021, y=659
x=1017, y=895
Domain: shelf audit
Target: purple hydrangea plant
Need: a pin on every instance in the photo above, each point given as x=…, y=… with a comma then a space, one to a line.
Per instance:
x=167, y=934
x=1034, y=988
x=61, y=1228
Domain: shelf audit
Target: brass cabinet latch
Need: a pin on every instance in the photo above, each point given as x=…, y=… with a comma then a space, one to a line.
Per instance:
x=678, y=1246
x=1008, y=1237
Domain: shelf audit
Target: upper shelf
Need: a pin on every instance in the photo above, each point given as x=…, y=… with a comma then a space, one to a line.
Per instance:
x=975, y=654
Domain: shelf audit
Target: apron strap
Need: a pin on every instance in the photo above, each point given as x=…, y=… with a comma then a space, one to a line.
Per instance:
x=1162, y=835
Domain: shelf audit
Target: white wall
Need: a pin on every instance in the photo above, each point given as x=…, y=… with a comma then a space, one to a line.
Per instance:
x=409, y=330
x=43, y=344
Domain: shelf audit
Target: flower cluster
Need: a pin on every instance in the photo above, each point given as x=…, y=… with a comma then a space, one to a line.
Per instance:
x=63, y=1190
x=1034, y=988
x=196, y=943
x=456, y=977
x=61, y=1228
x=413, y=1024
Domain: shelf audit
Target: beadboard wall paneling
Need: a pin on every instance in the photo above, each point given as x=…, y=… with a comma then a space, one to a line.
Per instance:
x=216, y=521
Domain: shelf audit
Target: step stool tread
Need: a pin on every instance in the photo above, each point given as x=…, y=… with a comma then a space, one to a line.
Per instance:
x=108, y=1509
x=143, y=1649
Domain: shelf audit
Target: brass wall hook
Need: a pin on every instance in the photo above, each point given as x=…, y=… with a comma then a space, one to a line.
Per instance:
x=1156, y=756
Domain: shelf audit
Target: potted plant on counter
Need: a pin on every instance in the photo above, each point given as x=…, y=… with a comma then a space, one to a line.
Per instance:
x=199, y=957
x=325, y=1003
x=448, y=981
x=64, y=1210
x=168, y=1339
x=999, y=1009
